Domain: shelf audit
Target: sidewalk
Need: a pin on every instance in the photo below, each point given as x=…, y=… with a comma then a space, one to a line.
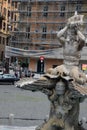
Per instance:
x=16, y=128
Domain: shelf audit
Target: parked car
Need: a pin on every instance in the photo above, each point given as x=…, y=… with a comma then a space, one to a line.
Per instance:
x=29, y=74
x=8, y=78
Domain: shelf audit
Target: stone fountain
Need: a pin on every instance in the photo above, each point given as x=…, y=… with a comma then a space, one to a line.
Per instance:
x=65, y=85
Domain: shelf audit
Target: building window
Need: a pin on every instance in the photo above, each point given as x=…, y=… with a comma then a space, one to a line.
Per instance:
x=9, y=1
x=7, y=40
x=9, y=27
x=4, y=26
x=3, y=41
x=29, y=11
x=15, y=18
x=2, y=55
x=15, y=4
x=8, y=13
x=12, y=3
x=44, y=30
x=61, y=26
x=12, y=15
x=45, y=11
x=78, y=7
x=28, y=32
x=62, y=11
x=4, y=12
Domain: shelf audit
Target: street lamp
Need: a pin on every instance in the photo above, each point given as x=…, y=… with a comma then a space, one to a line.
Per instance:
x=9, y=42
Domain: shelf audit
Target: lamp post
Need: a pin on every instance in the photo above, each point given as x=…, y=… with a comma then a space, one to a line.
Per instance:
x=9, y=42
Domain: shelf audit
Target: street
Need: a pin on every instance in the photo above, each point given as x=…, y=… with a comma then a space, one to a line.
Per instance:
x=26, y=108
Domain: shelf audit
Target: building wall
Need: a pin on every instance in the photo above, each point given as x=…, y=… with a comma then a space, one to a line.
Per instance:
x=39, y=37
x=5, y=27
x=39, y=14
x=33, y=64
x=17, y=16
x=48, y=63
x=54, y=20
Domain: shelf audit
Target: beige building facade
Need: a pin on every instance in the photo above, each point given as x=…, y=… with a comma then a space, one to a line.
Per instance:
x=5, y=25
x=38, y=21
x=33, y=26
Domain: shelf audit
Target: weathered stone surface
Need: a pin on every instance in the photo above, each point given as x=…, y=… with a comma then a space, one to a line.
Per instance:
x=64, y=85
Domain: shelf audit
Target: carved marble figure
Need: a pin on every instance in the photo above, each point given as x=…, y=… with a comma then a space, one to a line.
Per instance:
x=65, y=85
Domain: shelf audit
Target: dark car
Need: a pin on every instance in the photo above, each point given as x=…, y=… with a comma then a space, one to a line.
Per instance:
x=8, y=78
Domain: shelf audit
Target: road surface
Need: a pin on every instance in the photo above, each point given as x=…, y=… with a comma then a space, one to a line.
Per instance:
x=25, y=108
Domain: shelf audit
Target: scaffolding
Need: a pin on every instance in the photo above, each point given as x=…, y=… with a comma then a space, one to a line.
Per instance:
x=37, y=21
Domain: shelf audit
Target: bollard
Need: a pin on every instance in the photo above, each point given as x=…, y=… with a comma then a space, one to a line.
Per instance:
x=11, y=119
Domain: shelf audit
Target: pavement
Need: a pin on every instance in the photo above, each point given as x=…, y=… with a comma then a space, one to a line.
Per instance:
x=24, y=110
x=21, y=107
x=16, y=128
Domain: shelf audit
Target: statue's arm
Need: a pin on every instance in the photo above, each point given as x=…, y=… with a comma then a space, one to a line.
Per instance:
x=44, y=85
x=61, y=33
x=81, y=36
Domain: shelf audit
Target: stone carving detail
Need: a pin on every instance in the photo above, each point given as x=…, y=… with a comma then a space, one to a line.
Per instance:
x=72, y=40
x=65, y=85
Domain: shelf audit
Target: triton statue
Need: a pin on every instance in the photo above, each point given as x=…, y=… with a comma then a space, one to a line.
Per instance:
x=65, y=85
